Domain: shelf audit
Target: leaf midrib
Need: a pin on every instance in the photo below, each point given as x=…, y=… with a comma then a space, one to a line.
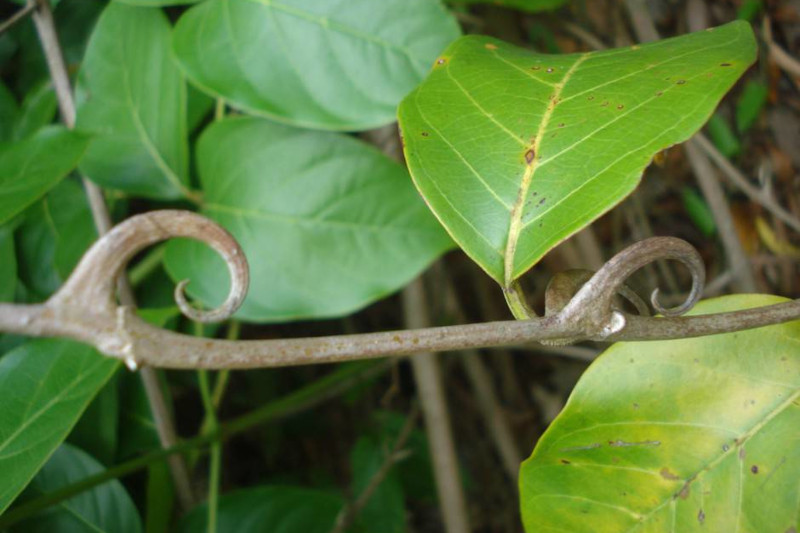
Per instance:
x=515, y=222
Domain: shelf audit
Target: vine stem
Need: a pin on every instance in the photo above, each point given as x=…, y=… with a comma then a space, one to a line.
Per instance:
x=85, y=309
x=48, y=37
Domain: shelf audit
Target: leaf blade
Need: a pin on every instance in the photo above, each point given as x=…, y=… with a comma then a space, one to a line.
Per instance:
x=330, y=65
x=30, y=168
x=516, y=151
x=44, y=387
x=132, y=97
x=327, y=223
x=676, y=429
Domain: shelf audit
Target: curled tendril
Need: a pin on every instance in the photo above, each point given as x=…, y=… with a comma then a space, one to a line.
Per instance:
x=564, y=285
x=594, y=301
x=94, y=279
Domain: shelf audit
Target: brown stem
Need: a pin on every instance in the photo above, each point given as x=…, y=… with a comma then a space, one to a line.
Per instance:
x=430, y=387
x=84, y=309
x=18, y=16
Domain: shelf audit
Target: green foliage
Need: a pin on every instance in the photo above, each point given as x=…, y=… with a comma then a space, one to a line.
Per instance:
x=8, y=266
x=37, y=110
x=8, y=113
x=686, y=435
x=698, y=211
x=513, y=151
x=30, y=168
x=750, y=104
x=324, y=65
x=270, y=508
x=53, y=236
x=532, y=6
x=723, y=136
x=516, y=151
x=385, y=512
x=104, y=508
x=45, y=385
x=133, y=99
x=306, y=223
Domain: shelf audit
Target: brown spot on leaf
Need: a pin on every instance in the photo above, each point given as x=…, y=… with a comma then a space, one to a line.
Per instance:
x=620, y=106
x=490, y=46
x=725, y=447
x=742, y=454
x=561, y=124
x=590, y=97
x=550, y=69
x=680, y=82
x=659, y=93
x=725, y=64
x=536, y=67
x=530, y=155
x=441, y=61
x=754, y=469
x=666, y=473
x=565, y=462
x=625, y=444
x=701, y=516
x=424, y=134
x=685, y=490
x=604, y=104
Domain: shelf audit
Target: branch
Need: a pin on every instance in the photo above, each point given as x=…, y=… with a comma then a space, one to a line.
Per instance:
x=85, y=309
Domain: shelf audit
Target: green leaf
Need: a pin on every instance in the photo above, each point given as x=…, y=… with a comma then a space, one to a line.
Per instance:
x=723, y=136
x=74, y=22
x=198, y=105
x=30, y=168
x=53, y=237
x=137, y=429
x=160, y=498
x=328, y=224
x=698, y=211
x=8, y=265
x=516, y=151
x=8, y=113
x=385, y=511
x=45, y=385
x=70, y=221
x=326, y=65
x=270, y=508
x=750, y=104
x=416, y=471
x=156, y=3
x=133, y=98
x=749, y=9
x=107, y=507
x=97, y=430
x=686, y=435
x=531, y=6
x=38, y=110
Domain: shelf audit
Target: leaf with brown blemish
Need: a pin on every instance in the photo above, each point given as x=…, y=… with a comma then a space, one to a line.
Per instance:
x=613, y=110
x=689, y=396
